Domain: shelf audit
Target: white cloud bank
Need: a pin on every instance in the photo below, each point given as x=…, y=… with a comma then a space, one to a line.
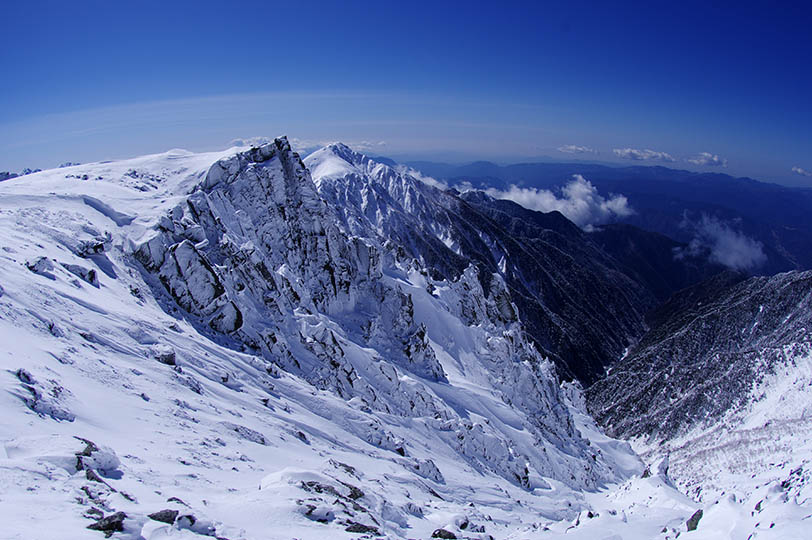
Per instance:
x=707, y=159
x=580, y=202
x=637, y=154
x=575, y=149
x=802, y=172
x=723, y=244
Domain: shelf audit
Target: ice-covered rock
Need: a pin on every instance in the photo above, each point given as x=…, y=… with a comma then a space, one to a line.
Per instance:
x=87, y=274
x=42, y=266
x=427, y=469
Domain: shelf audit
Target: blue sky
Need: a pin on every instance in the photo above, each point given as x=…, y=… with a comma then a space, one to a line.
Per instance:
x=439, y=80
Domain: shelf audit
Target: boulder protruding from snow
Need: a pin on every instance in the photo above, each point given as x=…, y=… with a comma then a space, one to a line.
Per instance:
x=109, y=524
x=164, y=516
x=87, y=274
x=42, y=266
x=164, y=354
x=98, y=458
x=693, y=521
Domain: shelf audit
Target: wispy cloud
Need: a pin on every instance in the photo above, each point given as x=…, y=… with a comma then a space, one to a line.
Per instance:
x=707, y=159
x=358, y=146
x=575, y=149
x=367, y=145
x=579, y=201
x=637, y=154
x=439, y=184
x=722, y=244
x=250, y=141
x=802, y=172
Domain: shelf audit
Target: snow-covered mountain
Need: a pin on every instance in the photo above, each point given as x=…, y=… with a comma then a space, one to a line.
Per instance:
x=244, y=345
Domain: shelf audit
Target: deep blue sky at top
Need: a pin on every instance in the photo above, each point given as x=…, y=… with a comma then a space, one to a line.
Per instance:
x=455, y=81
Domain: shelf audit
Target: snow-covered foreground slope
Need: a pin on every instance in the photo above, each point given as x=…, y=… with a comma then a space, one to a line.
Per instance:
x=193, y=338
x=213, y=330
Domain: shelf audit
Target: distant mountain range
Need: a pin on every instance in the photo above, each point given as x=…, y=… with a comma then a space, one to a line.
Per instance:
x=686, y=206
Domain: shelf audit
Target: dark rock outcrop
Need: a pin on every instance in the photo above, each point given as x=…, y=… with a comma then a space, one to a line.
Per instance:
x=109, y=524
x=164, y=516
x=693, y=521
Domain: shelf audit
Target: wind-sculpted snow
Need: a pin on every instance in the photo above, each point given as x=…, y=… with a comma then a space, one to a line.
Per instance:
x=232, y=335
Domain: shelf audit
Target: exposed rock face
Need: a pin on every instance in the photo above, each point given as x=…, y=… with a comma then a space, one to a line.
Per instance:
x=709, y=347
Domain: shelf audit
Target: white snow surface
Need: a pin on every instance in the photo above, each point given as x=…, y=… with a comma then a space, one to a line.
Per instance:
x=117, y=400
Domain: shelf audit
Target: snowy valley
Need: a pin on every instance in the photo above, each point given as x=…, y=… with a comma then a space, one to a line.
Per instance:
x=247, y=345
